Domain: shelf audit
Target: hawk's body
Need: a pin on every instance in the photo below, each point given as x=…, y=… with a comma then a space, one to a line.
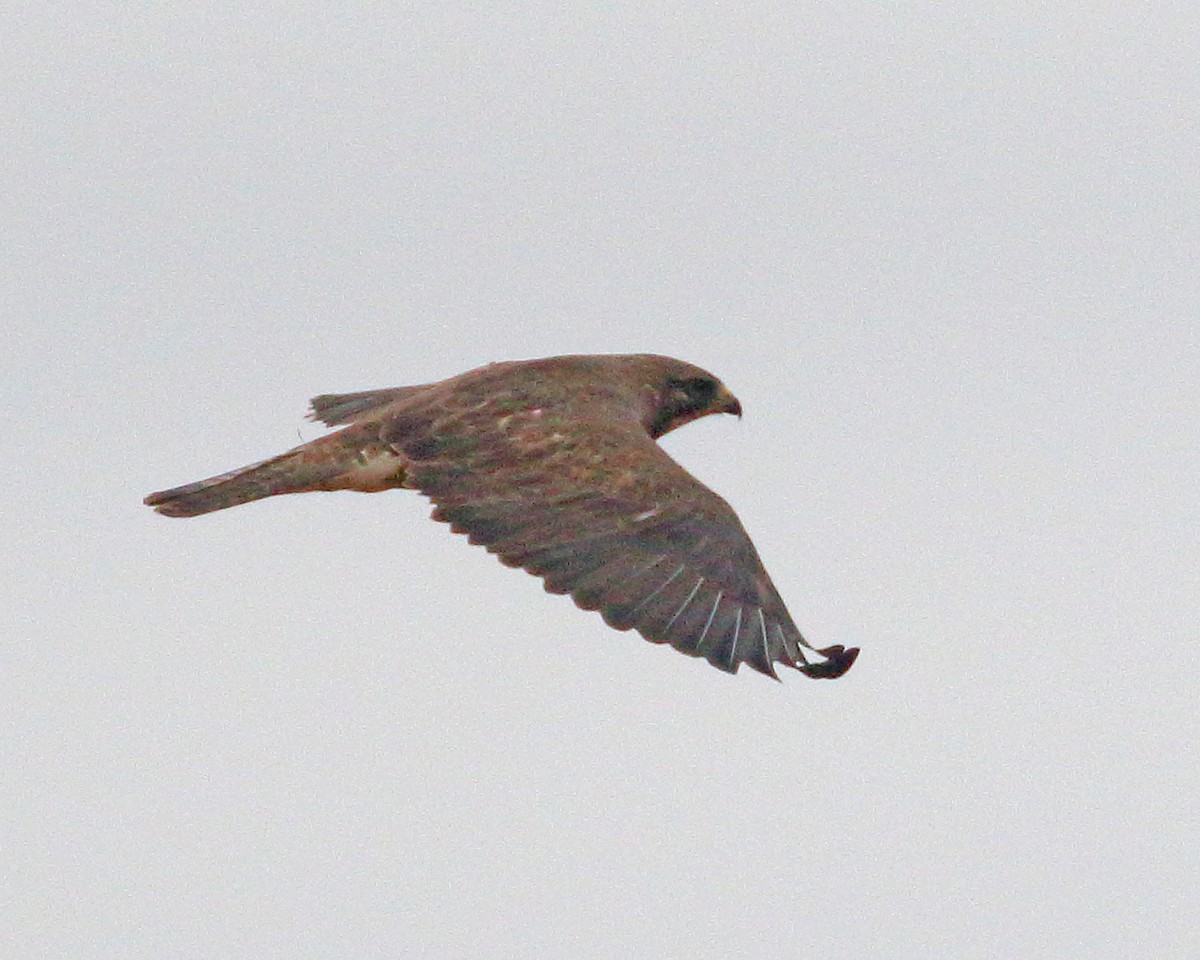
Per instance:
x=553, y=466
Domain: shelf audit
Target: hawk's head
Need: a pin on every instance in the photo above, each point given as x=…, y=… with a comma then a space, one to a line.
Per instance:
x=678, y=393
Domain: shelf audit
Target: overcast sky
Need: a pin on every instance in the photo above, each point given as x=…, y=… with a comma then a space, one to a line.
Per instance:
x=947, y=257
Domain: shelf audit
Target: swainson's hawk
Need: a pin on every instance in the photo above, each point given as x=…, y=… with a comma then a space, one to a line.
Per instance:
x=552, y=465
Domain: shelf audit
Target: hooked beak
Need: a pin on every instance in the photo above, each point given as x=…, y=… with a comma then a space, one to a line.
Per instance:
x=728, y=403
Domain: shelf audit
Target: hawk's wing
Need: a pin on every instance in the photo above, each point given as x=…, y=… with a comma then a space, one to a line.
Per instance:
x=600, y=511
x=334, y=409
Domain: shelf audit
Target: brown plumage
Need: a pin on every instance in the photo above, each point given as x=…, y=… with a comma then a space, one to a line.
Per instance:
x=552, y=465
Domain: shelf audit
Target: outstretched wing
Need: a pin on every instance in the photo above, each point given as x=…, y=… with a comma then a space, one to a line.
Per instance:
x=335, y=409
x=598, y=510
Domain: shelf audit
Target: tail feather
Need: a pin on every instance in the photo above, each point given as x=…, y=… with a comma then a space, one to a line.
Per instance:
x=267, y=478
x=348, y=460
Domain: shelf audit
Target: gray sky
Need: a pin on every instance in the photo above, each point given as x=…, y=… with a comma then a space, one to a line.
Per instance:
x=946, y=257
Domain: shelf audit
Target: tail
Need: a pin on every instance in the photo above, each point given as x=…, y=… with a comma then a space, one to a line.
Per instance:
x=340, y=461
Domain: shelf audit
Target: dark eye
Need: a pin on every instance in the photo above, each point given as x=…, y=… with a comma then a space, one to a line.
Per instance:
x=700, y=389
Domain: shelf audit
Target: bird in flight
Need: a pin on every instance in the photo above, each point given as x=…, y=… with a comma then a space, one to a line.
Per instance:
x=552, y=465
